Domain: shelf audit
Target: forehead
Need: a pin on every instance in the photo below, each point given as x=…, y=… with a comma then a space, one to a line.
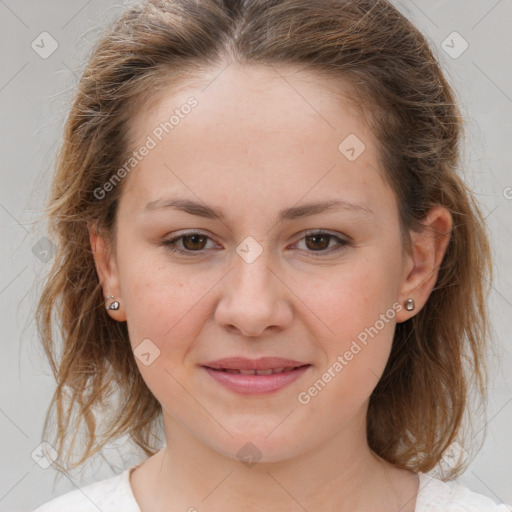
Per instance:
x=252, y=129
x=273, y=95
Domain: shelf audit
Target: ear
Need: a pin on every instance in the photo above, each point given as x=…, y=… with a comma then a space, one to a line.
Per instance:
x=422, y=264
x=106, y=267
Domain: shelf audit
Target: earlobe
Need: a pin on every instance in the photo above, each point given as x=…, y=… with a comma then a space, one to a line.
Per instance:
x=106, y=269
x=428, y=250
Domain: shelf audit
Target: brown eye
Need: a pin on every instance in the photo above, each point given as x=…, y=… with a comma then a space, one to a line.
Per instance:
x=318, y=242
x=321, y=242
x=197, y=242
x=193, y=244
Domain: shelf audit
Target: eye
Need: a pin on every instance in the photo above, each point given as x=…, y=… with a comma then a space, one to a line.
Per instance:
x=316, y=241
x=193, y=243
x=319, y=241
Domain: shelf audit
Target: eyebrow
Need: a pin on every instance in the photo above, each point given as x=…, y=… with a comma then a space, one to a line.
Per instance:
x=287, y=214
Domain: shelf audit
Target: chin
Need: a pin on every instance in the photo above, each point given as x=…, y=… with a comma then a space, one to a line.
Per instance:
x=254, y=446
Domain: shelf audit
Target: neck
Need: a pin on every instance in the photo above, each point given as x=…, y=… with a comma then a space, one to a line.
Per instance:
x=341, y=473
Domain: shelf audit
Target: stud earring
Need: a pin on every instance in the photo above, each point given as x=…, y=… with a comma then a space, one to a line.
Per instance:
x=113, y=306
x=409, y=304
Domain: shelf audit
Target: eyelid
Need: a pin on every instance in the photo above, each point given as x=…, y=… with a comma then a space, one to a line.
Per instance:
x=319, y=231
x=170, y=242
x=343, y=241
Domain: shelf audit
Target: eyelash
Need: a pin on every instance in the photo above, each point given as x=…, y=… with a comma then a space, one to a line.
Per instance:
x=171, y=244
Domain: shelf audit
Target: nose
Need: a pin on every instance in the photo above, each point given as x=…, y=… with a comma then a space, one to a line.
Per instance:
x=254, y=299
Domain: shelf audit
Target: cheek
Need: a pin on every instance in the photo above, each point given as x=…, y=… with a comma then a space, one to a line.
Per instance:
x=359, y=307
x=163, y=321
x=353, y=295
x=355, y=358
x=158, y=307
x=167, y=305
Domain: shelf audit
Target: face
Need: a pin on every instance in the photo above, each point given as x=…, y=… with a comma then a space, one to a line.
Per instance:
x=321, y=287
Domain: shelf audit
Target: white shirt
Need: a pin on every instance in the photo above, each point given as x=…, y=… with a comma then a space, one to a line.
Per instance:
x=115, y=494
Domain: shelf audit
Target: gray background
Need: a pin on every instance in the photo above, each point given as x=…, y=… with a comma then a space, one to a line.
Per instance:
x=34, y=95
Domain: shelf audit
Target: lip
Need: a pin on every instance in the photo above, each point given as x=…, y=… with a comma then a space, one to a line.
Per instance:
x=255, y=384
x=243, y=363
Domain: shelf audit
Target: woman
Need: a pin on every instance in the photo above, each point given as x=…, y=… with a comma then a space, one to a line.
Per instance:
x=263, y=243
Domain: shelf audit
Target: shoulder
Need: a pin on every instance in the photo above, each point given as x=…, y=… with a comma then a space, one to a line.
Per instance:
x=110, y=495
x=434, y=495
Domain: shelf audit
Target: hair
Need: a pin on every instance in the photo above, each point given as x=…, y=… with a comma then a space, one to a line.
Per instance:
x=438, y=356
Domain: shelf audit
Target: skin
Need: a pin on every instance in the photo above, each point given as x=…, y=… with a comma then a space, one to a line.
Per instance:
x=255, y=145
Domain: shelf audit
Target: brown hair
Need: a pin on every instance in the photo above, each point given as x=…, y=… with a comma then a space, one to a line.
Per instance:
x=416, y=410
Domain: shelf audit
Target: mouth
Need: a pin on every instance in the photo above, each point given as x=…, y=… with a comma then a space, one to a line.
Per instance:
x=252, y=381
x=268, y=371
